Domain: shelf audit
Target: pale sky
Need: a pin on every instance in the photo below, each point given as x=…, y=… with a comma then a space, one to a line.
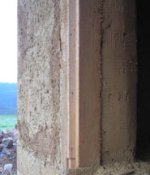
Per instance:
x=8, y=40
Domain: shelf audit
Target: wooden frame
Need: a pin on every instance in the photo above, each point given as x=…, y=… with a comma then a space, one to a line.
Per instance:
x=83, y=84
x=73, y=84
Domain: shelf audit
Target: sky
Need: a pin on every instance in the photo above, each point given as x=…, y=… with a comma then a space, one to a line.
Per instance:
x=8, y=41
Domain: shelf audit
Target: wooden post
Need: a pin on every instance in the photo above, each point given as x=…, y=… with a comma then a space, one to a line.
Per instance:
x=84, y=84
x=73, y=84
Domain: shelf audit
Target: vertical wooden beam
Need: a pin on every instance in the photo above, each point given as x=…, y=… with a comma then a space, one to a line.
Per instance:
x=83, y=84
x=73, y=83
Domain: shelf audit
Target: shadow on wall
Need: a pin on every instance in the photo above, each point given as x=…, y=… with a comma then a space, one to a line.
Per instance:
x=143, y=105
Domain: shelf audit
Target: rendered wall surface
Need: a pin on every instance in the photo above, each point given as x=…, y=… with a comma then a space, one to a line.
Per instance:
x=119, y=67
x=89, y=83
x=106, y=85
x=42, y=87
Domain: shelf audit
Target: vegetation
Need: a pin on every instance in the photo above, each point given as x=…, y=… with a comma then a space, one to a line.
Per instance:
x=7, y=122
x=8, y=105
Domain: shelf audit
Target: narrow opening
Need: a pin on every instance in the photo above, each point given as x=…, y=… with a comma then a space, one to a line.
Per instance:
x=143, y=96
x=8, y=85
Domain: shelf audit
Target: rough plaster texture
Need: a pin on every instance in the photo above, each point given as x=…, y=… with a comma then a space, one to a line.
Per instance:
x=42, y=86
x=89, y=83
x=119, y=69
x=107, y=85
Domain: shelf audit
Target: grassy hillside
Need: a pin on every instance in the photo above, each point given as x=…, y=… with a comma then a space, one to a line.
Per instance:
x=7, y=122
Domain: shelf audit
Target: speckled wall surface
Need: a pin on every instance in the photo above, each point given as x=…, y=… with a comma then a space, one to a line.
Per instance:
x=42, y=82
x=119, y=61
x=42, y=86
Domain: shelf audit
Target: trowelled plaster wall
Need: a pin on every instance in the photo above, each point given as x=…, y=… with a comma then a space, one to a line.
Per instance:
x=42, y=82
x=119, y=73
x=42, y=86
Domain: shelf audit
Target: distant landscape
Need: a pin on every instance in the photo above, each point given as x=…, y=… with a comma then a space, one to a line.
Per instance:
x=8, y=105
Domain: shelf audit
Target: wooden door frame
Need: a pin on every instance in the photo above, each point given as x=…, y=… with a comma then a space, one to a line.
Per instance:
x=73, y=84
x=83, y=138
